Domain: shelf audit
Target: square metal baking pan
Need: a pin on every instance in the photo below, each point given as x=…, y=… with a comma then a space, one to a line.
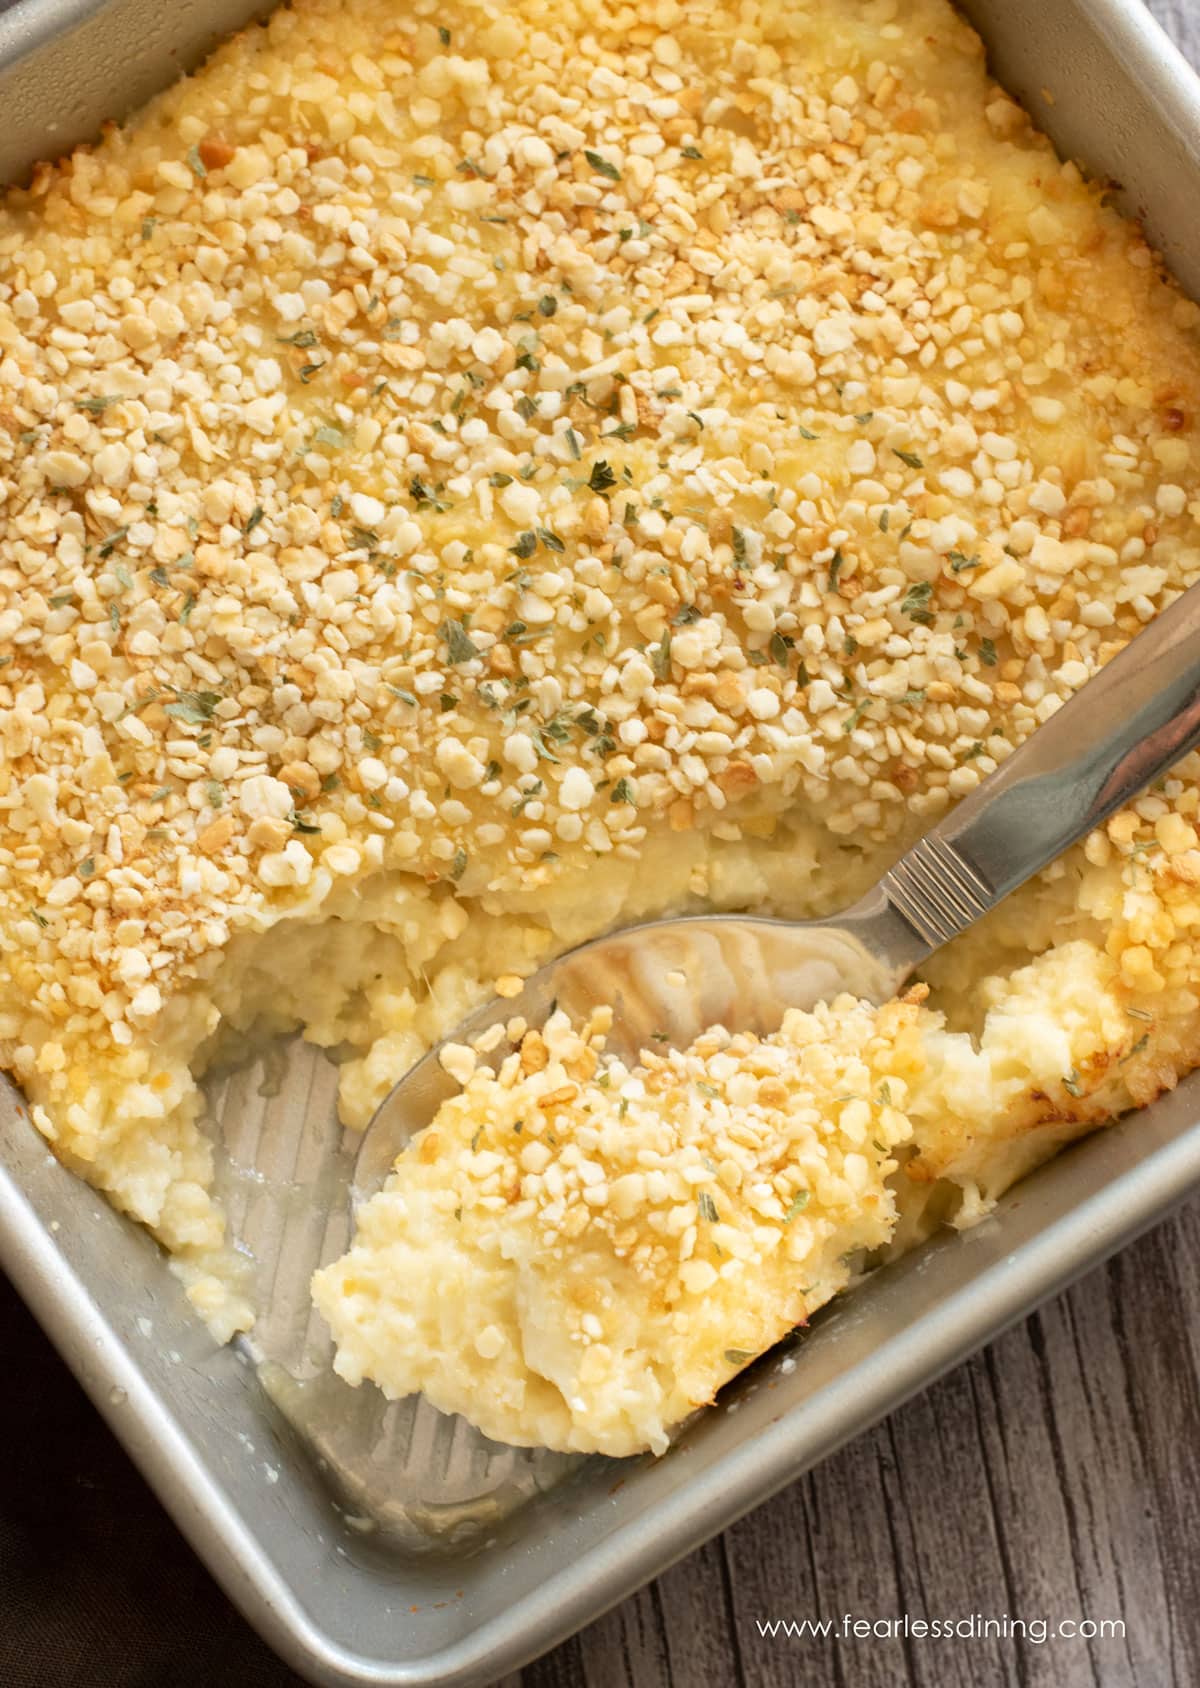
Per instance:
x=1104, y=82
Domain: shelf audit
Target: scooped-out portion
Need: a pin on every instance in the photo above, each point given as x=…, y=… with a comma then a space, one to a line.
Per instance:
x=577, y=1253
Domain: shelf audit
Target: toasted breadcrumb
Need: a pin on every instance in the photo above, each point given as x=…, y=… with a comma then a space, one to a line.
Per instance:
x=467, y=483
x=576, y=1254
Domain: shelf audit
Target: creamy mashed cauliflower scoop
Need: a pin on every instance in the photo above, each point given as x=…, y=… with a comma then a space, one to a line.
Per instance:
x=578, y=1252
x=608, y=1244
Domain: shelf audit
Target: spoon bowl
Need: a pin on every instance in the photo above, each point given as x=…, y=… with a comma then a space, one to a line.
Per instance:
x=666, y=982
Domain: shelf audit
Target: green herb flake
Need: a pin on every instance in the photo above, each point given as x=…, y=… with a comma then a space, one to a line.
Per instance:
x=739, y=1356
x=987, y=651
x=328, y=435
x=797, y=1205
x=915, y=602
x=602, y=476
x=459, y=865
x=193, y=707
x=835, y=568
x=660, y=657
x=708, y=1207
x=909, y=457
x=601, y=166
x=623, y=792
x=196, y=163
x=109, y=544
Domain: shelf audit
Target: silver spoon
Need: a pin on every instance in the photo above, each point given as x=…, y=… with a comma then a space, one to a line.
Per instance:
x=668, y=980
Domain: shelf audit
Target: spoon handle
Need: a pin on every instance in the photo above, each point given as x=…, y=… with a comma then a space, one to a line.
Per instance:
x=1106, y=744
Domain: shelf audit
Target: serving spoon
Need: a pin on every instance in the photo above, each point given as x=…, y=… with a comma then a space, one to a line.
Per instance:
x=668, y=980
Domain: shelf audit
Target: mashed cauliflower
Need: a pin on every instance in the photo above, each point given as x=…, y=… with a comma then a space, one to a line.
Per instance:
x=467, y=482
x=609, y=1245
x=577, y=1255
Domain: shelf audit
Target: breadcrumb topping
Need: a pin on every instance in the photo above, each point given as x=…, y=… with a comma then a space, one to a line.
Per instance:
x=449, y=461
x=444, y=453
x=577, y=1254
x=611, y=1244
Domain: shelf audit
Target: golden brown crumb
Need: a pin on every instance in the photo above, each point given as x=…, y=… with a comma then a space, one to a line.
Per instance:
x=506, y=452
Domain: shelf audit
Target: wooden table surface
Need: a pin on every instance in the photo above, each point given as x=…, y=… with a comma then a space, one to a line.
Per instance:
x=1054, y=1478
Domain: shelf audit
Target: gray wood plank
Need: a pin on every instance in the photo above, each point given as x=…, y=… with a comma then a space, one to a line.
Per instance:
x=1181, y=19
x=1054, y=1476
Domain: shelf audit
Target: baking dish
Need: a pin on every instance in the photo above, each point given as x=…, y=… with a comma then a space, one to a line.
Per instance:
x=341, y=1604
